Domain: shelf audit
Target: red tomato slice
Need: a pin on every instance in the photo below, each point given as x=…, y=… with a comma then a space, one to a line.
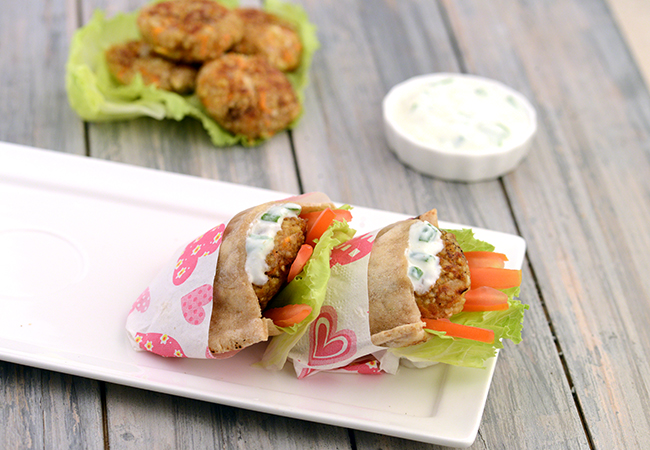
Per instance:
x=317, y=223
x=298, y=264
x=289, y=315
x=339, y=214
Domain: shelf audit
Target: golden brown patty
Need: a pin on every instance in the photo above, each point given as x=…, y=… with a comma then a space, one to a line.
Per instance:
x=247, y=96
x=270, y=37
x=189, y=30
x=286, y=245
x=447, y=296
x=128, y=59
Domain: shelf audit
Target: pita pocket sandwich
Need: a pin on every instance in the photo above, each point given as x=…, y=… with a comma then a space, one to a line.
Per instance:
x=406, y=293
x=212, y=299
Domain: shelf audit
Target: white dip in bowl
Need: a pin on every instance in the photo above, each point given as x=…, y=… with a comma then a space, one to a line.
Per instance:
x=458, y=127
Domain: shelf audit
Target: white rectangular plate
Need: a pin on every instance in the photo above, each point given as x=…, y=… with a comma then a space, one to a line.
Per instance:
x=81, y=238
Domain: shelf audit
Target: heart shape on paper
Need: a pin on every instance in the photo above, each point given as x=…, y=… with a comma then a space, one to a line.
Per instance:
x=160, y=344
x=192, y=304
x=204, y=245
x=142, y=303
x=352, y=250
x=327, y=345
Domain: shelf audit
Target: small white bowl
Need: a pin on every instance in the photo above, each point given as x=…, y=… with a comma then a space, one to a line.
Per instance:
x=457, y=164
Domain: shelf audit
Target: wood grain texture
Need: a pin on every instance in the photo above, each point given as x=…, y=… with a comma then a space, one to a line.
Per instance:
x=589, y=170
x=34, y=45
x=48, y=410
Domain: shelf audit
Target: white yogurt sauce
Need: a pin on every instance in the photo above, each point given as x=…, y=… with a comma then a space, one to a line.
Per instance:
x=425, y=242
x=261, y=235
x=460, y=113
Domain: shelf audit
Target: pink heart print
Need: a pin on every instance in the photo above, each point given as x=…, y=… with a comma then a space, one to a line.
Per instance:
x=352, y=250
x=327, y=345
x=160, y=344
x=204, y=245
x=143, y=302
x=192, y=304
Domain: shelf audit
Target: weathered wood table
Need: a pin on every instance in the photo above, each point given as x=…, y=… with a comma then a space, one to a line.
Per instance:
x=581, y=200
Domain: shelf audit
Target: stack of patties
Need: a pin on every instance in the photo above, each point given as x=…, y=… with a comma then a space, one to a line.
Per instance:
x=235, y=61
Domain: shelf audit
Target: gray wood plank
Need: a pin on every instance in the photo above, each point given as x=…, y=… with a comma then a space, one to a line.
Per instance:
x=159, y=421
x=34, y=45
x=357, y=65
x=582, y=197
x=48, y=410
x=42, y=409
x=184, y=147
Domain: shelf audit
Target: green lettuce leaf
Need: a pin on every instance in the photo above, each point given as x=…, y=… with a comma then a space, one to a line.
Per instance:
x=468, y=243
x=96, y=96
x=308, y=288
x=465, y=352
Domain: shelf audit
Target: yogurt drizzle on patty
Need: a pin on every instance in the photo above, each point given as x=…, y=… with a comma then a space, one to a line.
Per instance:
x=425, y=242
x=260, y=239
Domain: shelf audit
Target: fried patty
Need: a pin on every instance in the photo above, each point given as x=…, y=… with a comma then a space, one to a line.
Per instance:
x=133, y=57
x=286, y=244
x=190, y=30
x=270, y=37
x=447, y=296
x=247, y=96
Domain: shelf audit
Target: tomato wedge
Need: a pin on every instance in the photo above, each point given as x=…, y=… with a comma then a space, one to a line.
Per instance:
x=485, y=299
x=317, y=226
x=299, y=263
x=341, y=214
x=319, y=221
x=494, y=277
x=460, y=331
x=289, y=315
x=486, y=259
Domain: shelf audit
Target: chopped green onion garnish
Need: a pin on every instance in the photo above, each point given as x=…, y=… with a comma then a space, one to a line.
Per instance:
x=269, y=217
x=415, y=272
x=421, y=256
x=427, y=233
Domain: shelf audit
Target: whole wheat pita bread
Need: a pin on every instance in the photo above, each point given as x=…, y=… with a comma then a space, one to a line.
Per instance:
x=395, y=320
x=236, y=320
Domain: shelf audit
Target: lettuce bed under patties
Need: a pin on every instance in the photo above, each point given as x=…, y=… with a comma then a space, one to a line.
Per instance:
x=506, y=324
x=96, y=96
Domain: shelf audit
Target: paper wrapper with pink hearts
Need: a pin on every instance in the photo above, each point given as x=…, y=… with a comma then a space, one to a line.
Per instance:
x=339, y=338
x=172, y=316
